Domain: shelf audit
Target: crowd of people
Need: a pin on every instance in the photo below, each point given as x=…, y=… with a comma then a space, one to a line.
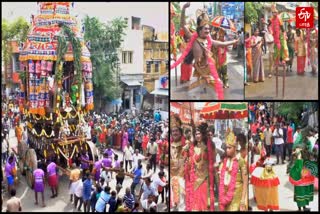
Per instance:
x=128, y=175
x=204, y=169
x=282, y=42
x=295, y=145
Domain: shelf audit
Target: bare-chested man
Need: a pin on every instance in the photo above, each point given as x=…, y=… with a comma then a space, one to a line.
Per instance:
x=201, y=53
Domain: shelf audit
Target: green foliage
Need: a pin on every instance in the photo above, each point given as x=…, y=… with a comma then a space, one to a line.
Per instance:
x=76, y=49
x=16, y=30
x=23, y=76
x=292, y=110
x=176, y=19
x=61, y=51
x=105, y=40
x=251, y=12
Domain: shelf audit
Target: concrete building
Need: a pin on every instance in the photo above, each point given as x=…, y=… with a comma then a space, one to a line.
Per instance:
x=131, y=64
x=156, y=63
x=161, y=96
x=10, y=73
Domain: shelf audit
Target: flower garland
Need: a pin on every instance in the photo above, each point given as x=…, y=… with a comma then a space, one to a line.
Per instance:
x=226, y=197
x=42, y=117
x=175, y=190
x=211, y=174
x=190, y=179
x=43, y=133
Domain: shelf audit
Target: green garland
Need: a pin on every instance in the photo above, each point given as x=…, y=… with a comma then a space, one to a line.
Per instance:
x=67, y=35
x=76, y=48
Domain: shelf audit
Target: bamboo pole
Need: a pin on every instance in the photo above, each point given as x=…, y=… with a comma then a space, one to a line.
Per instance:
x=277, y=81
x=283, y=80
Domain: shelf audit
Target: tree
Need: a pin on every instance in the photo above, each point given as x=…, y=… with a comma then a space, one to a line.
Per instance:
x=293, y=110
x=104, y=39
x=252, y=12
x=176, y=19
x=10, y=31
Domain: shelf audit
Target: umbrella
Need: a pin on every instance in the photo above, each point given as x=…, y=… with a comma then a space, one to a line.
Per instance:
x=224, y=110
x=285, y=16
x=223, y=22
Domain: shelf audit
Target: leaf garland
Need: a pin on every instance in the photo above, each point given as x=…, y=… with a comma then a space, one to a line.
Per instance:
x=67, y=35
x=76, y=49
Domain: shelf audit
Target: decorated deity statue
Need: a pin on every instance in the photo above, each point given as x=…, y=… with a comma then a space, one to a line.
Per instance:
x=74, y=93
x=67, y=102
x=64, y=130
x=177, y=181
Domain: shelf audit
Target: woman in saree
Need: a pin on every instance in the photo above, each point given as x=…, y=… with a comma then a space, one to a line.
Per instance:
x=257, y=61
x=200, y=179
x=300, y=50
x=248, y=55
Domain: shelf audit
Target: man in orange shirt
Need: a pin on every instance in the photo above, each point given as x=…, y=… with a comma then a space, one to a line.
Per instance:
x=18, y=130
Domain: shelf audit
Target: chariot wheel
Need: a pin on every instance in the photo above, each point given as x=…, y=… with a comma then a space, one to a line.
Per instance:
x=30, y=165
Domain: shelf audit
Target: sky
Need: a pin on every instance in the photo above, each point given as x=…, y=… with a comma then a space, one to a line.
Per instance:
x=191, y=11
x=154, y=14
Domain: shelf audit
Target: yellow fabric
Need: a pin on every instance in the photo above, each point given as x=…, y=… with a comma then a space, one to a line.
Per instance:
x=261, y=193
x=268, y=175
x=75, y=174
x=300, y=46
x=235, y=203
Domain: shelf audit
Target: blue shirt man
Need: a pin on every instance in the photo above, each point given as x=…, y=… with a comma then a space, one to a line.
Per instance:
x=103, y=200
x=130, y=134
x=157, y=117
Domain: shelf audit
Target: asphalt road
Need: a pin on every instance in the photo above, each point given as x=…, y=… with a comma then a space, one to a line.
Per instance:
x=234, y=92
x=285, y=190
x=297, y=87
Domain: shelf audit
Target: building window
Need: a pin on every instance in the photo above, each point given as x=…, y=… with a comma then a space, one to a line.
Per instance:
x=16, y=62
x=136, y=23
x=124, y=57
x=157, y=67
x=127, y=57
x=130, y=57
x=148, y=67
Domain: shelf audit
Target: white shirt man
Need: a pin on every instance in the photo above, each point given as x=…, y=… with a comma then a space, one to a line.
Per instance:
x=148, y=190
x=136, y=156
x=146, y=206
x=79, y=189
x=218, y=143
x=128, y=152
x=158, y=182
x=278, y=136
